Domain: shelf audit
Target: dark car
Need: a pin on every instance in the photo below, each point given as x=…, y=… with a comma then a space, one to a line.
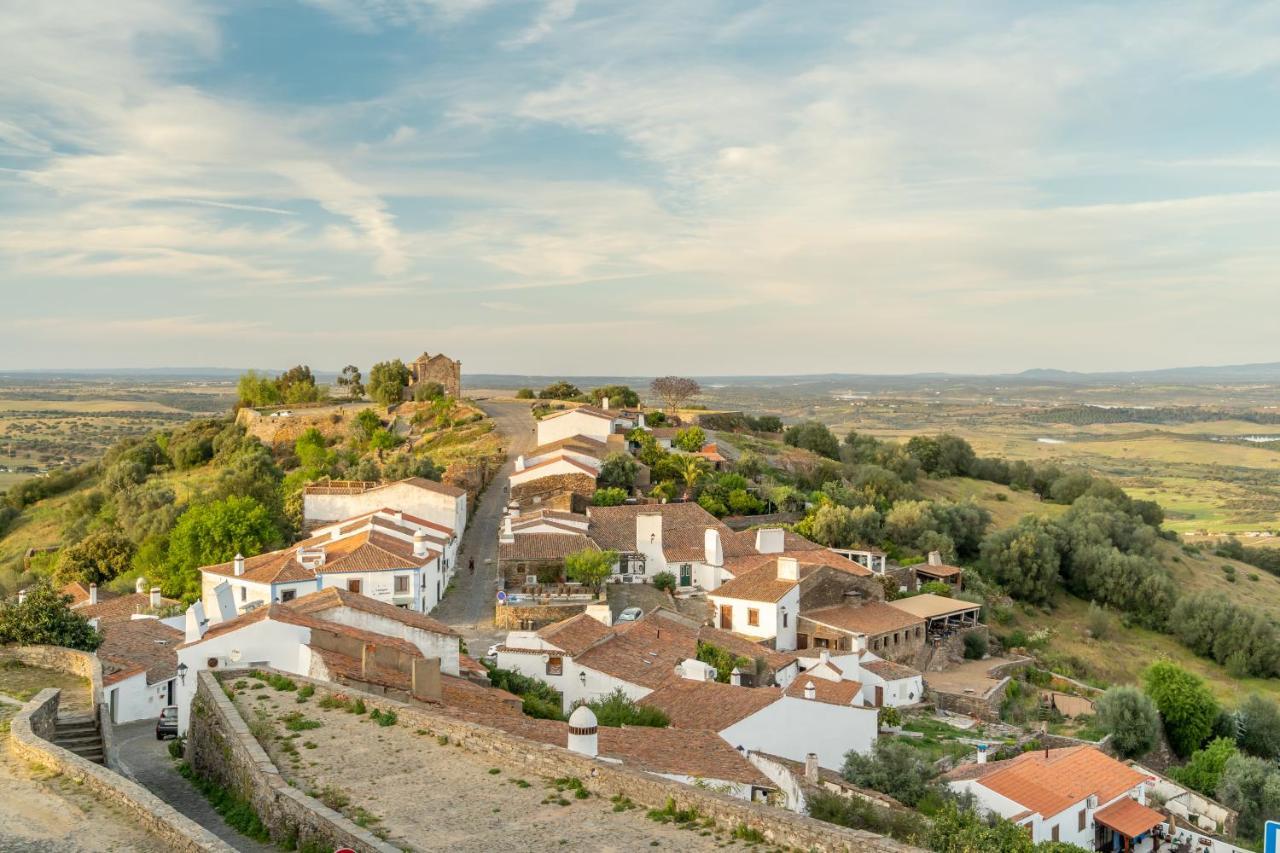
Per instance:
x=167, y=725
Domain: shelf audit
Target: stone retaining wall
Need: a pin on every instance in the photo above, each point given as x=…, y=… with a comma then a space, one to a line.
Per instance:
x=221, y=747
x=515, y=617
x=29, y=734
x=83, y=664
x=779, y=827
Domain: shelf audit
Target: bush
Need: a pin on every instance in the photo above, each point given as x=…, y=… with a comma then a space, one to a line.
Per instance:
x=1185, y=704
x=1099, y=622
x=665, y=581
x=1204, y=771
x=975, y=645
x=617, y=709
x=893, y=768
x=1131, y=718
x=908, y=827
x=609, y=497
x=525, y=394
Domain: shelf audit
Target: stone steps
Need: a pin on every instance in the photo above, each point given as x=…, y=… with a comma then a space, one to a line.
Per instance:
x=80, y=735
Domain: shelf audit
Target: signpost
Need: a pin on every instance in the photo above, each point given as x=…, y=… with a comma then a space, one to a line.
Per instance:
x=502, y=597
x=1271, y=837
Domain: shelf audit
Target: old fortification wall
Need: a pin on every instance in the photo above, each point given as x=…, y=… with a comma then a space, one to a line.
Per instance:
x=223, y=742
x=221, y=747
x=29, y=735
x=530, y=617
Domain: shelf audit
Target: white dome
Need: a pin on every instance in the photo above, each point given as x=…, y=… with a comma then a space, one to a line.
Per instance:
x=582, y=718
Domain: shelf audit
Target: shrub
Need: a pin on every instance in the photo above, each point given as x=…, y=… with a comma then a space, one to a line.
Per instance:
x=611, y=496
x=1186, y=705
x=525, y=394
x=975, y=645
x=665, y=581
x=383, y=718
x=905, y=826
x=1132, y=720
x=893, y=768
x=295, y=722
x=1099, y=622
x=1204, y=771
x=617, y=709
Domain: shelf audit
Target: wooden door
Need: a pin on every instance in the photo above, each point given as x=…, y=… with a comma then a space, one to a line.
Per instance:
x=353, y=586
x=879, y=696
x=726, y=617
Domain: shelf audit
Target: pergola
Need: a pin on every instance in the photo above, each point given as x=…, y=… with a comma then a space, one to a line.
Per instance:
x=942, y=615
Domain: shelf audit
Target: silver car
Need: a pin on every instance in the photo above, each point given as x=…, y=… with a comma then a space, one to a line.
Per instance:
x=631, y=614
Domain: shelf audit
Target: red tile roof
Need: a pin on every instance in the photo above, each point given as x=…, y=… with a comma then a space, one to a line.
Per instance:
x=890, y=671
x=120, y=608
x=684, y=527
x=1129, y=817
x=545, y=546
x=872, y=618
x=359, y=487
x=318, y=603
x=1049, y=782
x=830, y=692
x=709, y=705
x=575, y=635
x=140, y=645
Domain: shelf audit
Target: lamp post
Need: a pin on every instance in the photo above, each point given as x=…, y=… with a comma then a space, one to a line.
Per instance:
x=182, y=673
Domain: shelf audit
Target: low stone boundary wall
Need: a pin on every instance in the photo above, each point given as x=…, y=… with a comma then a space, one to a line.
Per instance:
x=75, y=662
x=29, y=739
x=221, y=747
x=778, y=826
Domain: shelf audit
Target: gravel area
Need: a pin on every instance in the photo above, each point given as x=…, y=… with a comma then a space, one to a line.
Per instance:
x=425, y=795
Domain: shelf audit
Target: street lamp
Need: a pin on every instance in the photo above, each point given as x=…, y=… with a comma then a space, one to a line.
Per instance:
x=182, y=673
x=582, y=677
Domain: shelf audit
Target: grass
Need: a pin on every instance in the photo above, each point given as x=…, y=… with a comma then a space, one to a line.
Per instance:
x=295, y=722
x=235, y=810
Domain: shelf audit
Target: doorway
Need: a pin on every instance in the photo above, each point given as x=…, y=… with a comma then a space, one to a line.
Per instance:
x=726, y=617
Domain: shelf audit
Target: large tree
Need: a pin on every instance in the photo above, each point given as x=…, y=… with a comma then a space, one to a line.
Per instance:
x=212, y=533
x=1025, y=560
x=351, y=379
x=620, y=396
x=674, y=391
x=45, y=619
x=619, y=471
x=1186, y=705
x=690, y=439
x=99, y=557
x=1251, y=786
x=387, y=381
x=814, y=436
x=1131, y=718
x=1258, y=720
x=590, y=568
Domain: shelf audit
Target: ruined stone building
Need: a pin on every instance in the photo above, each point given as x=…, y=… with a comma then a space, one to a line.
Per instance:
x=435, y=368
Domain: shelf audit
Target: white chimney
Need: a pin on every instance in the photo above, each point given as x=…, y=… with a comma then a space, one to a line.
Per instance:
x=22, y=595
x=399, y=516
x=225, y=601
x=93, y=593
x=583, y=737
x=824, y=656
x=196, y=623
x=507, y=535
x=935, y=558
x=982, y=753
x=155, y=598
x=238, y=565
x=640, y=423
x=811, y=768
x=335, y=534
x=604, y=403
x=649, y=533
x=788, y=569
x=140, y=585
x=713, y=548
x=419, y=544
x=769, y=540
x=810, y=692
x=735, y=677
x=520, y=462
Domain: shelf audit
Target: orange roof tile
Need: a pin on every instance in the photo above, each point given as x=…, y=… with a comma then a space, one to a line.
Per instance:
x=575, y=635
x=872, y=618
x=709, y=705
x=1047, y=782
x=332, y=597
x=1129, y=817
x=831, y=692
x=120, y=608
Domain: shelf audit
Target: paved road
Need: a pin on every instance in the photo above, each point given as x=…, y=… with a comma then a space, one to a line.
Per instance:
x=469, y=607
x=146, y=760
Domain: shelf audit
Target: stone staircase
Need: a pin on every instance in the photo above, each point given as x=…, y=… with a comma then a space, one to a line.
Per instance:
x=79, y=734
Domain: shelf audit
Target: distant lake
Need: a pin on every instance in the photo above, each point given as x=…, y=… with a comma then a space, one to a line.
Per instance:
x=1050, y=441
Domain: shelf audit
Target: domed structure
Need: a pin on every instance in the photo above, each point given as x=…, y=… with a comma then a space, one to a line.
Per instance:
x=583, y=730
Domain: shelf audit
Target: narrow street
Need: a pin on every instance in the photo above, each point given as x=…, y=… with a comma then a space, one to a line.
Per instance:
x=468, y=607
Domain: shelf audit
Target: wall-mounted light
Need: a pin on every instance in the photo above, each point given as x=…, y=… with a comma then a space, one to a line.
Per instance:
x=182, y=673
x=582, y=677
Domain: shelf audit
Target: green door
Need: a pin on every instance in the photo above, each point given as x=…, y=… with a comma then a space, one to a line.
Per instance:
x=686, y=574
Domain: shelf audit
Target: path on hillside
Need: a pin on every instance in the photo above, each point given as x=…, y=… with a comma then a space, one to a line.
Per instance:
x=469, y=606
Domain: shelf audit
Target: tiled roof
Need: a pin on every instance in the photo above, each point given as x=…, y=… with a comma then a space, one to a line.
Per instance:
x=388, y=517
x=575, y=635
x=762, y=584
x=874, y=617
x=568, y=460
x=581, y=443
x=523, y=524
x=890, y=671
x=582, y=410
x=120, y=608
x=359, y=487
x=1047, y=782
x=830, y=692
x=80, y=593
x=709, y=705
x=286, y=614
x=141, y=645
x=272, y=567
x=791, y=541
x=808, y=558
x=318, y=603
x=371, y=552
x=545, y=546
x=684, y=528
x=552, y=515
x=938, y=570
x=1129, y=817
x=930, y=606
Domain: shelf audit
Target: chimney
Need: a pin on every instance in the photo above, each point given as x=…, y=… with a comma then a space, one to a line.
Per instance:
x=713, y=549
x=419, y=544
x=93, y=593
x=982, y=753
x=604, y=403
x=811, y=768
x=195, y=624
x=140, y=585
x=810, y=692
x=788, y=569
x=155, y=598
x=507, y=534
x=735, y=677
x=22, y=595
x=238, y=565
x=824, y=656
x=335, y=534
x=520, y=462
x=399, y=516
x=769, y=540
x=640, y=423
x=583, y=738
x=649, y=533
x=935, y=558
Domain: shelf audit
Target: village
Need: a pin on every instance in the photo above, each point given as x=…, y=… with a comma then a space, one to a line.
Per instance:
x=577, y=601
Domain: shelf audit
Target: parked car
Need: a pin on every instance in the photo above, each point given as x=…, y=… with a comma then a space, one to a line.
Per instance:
x=631, y=614
x=167, y=725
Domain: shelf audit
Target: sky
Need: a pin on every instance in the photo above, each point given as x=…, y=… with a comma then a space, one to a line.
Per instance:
x=698, y=187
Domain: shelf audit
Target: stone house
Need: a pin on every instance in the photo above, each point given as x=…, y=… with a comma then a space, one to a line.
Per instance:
x=873, y=626
x=329, y=501
x=435, y=368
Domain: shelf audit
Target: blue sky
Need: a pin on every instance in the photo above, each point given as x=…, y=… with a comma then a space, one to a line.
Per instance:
x=591, y=187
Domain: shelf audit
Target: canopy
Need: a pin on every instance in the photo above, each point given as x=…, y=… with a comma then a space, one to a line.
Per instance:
x=1129, y=817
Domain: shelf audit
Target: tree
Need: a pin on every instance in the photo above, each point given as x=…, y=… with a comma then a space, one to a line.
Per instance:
x=892, y=768
x=842, y=527
x=975, y=644
x=1204, y=771
x=692, y=469
x=690, y=439
x=560, y=391
x=590, y=568
x=98, y=558
x=211, y=533
x=1024, y=559
x=387, y=381
x=665, y=581
x=961, y=830
x=381, y=440
x=618, y=709
x=1131, y=718
x=619, y=471
x=1258, y=721
x=256, y=389
x=1186, y=705
x=813, y=436
x=609, y=497
x=525, y=394
x=313, y=452
x=620, y=396
x=298, y=385
x=351, y=379
x=674, y=391
x=1251, y=786
x=44, y=618
x=366, y=423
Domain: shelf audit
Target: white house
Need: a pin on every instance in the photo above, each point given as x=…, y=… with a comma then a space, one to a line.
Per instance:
x=1077, y=795
x=140, y=667
x=330, y=501
x=584, y=420
x=762, y=603
x=555, y=464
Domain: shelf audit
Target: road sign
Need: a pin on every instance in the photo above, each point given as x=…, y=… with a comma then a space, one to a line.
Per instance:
x=502, y=597
x=1271, y=842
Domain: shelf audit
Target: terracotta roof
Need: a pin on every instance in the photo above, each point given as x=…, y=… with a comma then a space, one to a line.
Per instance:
x=890, y=671
x=519, y=525
x=1049, y=783
x=582, y=410
x=80, y=593
x=120, y=608
x=874, y=617
x=808, y=558
x=684, y=528
x=545, y=546
x=286, y=614
x=930, y=606
x=332, y=597
x=709, y=705
x=141, y=645
x=583, y=442
x=1129, y=817
x=272, y=567
x=791, y=541
x=553, y=515
x=575, y=635
x=386, y=516
x=937, y=570
x=360, y=487
x=371, y=552
x=762, y=584
x=831, y=692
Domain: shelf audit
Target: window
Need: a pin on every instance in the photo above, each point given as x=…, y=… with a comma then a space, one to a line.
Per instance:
x=402, y=584
x=244, y=593
x=895, y=638
x=1054, y=835
x=918, y=629
x=821, y=643
x=555, y=666
x=1080, y=820
x=784, y=618
x=802, y=641
x=288, y=594
x=753, y=617
x=353, y=585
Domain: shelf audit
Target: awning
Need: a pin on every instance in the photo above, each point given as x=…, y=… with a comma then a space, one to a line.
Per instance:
x=1129, y=817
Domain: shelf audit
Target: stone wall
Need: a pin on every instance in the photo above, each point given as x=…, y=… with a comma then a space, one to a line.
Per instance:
x=984, y=707
x=829, y=587
x=221, y=747
x=29, y=734
x=75, y=662
x=541, y=493
x=781, y=828
x=530, y=617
